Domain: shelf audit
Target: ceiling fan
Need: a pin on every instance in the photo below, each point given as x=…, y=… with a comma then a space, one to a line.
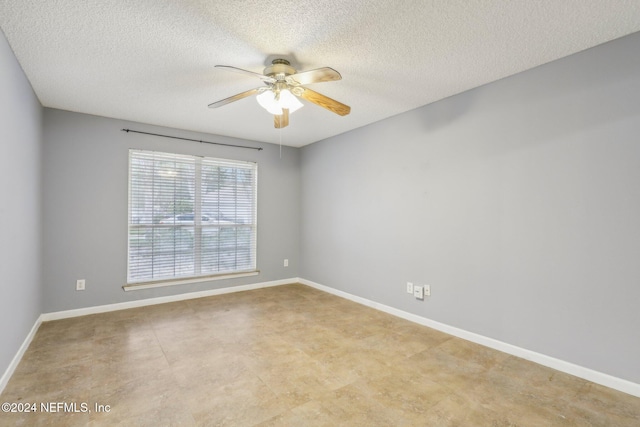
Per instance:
x=283, y=84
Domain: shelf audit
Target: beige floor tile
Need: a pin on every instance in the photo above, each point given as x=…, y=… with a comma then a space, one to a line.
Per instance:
x=241, y=403
x=289, y=356
x=162, y=407
x=408, y=396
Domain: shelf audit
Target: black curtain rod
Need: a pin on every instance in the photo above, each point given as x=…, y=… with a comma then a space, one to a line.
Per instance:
x=194, y=140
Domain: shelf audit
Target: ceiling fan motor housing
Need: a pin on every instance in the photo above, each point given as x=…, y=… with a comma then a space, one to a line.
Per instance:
x=279, y=69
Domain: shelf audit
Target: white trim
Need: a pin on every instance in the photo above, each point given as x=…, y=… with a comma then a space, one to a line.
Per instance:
x=606, y=380
x=45, y=317
x=161, y=300
x=161, y=284
x=18, y=357
x=551, y=362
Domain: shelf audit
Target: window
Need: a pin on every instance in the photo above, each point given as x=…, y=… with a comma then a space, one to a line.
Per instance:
x=190, y=216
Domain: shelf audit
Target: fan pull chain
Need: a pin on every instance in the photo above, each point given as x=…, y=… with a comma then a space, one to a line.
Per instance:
x=280, y=134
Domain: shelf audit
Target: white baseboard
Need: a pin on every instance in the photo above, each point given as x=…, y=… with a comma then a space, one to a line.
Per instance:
x=45, y=317
x=57, y=315
x=551, y=362
x=18, y=357
x=548, y=361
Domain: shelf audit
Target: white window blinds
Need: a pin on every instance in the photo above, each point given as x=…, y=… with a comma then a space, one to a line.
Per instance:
x=190, y=216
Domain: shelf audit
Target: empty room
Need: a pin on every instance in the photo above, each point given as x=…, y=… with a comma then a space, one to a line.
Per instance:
x=327, y=213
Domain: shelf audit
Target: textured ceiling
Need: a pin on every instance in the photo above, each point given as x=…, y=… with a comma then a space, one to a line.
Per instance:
x=152, y=61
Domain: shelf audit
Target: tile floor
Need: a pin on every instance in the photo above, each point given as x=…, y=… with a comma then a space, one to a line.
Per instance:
x=288, y=356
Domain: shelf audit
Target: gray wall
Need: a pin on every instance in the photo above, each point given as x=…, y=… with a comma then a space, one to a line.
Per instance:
x=20, y=206
x=518, y=202
x=85, y=207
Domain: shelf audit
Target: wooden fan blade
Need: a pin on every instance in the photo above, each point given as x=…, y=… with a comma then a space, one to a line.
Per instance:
x=234, y=98
x=281, y=120
x=320, y=75
x=325, y=102
x=247, y=72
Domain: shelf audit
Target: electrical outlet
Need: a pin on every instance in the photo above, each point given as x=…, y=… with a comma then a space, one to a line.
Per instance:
x=286, y=263
x=427, y=290
x=409, y=287
x=80, y=284
x=418, y=292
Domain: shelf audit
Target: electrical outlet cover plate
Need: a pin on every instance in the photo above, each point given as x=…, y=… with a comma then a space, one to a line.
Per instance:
x=418, y=292
x=427, y=290
x=409, y=287
x=80, y=283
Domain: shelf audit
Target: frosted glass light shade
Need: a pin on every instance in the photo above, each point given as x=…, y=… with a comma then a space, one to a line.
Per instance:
x=268, y=101
x=289, y=101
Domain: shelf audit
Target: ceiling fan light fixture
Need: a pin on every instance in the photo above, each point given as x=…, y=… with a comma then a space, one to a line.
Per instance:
x=267, y=100
x=274, y=104
x=290, y=101
x=283, y=87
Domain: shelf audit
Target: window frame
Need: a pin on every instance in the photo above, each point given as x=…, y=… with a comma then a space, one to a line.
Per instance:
x=198, y=249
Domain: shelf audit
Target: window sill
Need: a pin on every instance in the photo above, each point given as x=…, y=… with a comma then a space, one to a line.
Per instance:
x=174, y=282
